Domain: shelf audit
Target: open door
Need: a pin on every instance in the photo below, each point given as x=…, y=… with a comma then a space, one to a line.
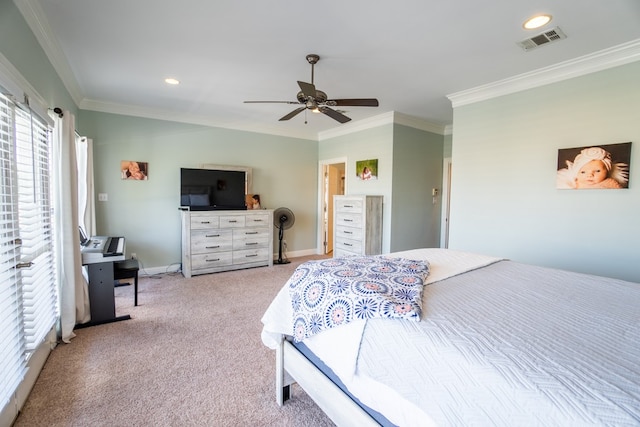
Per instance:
x=332, y=182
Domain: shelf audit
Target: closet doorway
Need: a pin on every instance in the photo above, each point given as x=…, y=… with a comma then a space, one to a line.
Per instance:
x=332, y=181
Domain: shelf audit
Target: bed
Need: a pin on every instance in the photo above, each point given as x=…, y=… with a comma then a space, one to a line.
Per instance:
x=496, y=342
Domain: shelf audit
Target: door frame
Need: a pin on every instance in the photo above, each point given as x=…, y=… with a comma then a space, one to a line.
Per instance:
x=322, y=189
x=446, y=202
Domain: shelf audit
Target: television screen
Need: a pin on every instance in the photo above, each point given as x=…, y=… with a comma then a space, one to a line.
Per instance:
x=212, y=189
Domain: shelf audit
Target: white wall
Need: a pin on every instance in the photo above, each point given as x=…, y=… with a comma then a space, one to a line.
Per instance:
x=504, y=201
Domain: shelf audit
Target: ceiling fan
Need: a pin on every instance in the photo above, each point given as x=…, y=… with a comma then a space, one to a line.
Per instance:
x=316, y=100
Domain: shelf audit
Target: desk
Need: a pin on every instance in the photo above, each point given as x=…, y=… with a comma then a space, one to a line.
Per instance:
x=101, y=296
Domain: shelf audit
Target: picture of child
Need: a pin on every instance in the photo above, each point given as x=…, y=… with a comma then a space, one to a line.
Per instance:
x=130, y=169
x=593, y=167
x=367, y=169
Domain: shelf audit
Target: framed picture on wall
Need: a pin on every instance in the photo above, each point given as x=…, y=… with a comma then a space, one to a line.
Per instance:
x=367, y=169
x=594, y=167
x=134, y=170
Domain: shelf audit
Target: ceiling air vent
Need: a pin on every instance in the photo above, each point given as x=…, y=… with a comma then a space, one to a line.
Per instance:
x=541, y=39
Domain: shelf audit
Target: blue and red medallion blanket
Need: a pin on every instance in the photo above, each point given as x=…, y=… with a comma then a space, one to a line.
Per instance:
x=333, y=292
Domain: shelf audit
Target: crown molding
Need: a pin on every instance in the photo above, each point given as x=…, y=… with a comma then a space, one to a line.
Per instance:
x=37, y=21
x=604, y=59
x=357, y=126
x=418, y=123
x=173, y=116
x=391, y=117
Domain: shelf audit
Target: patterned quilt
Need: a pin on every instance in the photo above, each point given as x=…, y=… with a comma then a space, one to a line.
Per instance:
x=329, y=293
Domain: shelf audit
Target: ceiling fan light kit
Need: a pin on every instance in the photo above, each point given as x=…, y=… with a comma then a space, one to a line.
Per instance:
x=317, y=101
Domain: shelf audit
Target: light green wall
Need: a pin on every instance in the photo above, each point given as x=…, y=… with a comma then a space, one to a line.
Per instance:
x=374, y=143
x=448, y=145
x=21, y=48
x=417, y=169
x=409, y=166
x=504, y=201
x=146, y=212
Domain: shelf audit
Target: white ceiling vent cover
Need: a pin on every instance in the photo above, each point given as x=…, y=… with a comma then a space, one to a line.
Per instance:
x=541, y=39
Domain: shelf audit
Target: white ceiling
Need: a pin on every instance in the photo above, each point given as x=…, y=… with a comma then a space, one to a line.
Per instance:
x=410, y=54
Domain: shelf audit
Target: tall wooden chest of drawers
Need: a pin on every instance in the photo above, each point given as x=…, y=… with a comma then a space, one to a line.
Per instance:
x=357, y=225
x=214, y=241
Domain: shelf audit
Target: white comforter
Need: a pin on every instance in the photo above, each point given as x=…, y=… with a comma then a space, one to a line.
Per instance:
x=339, y=347
x=506, y=345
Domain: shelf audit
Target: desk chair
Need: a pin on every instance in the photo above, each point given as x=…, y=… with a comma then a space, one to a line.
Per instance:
x=128, y=269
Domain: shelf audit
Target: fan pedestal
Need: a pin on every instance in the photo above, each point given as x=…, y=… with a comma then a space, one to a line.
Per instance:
x=283, y=218
x=280, y=236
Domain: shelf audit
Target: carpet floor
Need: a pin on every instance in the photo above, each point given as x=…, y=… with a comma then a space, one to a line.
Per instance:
x=190, y=356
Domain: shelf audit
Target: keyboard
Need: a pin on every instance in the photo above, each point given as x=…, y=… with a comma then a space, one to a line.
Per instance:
x=115, y=247
x=103, y=249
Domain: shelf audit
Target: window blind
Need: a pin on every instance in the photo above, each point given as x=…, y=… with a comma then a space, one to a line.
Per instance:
x=34, y=215
x=12, y=358
x=28, y=290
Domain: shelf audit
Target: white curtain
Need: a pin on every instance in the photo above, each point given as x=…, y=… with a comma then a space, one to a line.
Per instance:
x=73, y=287
x=86, y=191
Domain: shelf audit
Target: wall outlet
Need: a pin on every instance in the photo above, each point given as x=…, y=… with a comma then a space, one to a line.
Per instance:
x=134, y=255
x=103, y=197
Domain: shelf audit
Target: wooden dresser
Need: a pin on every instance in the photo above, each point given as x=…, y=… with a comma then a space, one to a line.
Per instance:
x=214, y=241
x=357, y=225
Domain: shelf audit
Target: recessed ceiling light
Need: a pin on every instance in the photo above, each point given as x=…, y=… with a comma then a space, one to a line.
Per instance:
x=172, y=81
x=536, y=22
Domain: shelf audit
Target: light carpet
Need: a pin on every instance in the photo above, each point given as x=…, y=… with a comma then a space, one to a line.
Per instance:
x=190, y=355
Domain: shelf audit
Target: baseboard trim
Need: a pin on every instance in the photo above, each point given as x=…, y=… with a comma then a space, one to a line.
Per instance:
x=177, y=268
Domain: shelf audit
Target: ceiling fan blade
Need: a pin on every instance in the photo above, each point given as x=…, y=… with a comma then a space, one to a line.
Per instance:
x=308, y=89
x=271, y=102
x=293, y=113
x=334, y=114
x=359, y=102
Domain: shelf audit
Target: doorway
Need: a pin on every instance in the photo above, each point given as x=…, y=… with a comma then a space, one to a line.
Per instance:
x=332, y=182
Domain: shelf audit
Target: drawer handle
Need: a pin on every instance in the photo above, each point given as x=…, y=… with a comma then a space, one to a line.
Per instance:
x=233, y=220
x=251, y=256
x=347, y=244
x=251, y=243
x=257, y=220
x=213, y=247
x=212, y=235
x=348, y=206
x=213, y=260
x=348, y=232
x=348, y=220
x=250, y=232
x=205, y=222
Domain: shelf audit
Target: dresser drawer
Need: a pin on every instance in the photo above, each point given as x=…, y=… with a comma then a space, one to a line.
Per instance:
x=348, y=219
x=250, y=238
x=259, y=220
x=217, y=259
x=350, y=245
x=200, y=221
x=203, y=241
x=250, y=255
x=232, y=221
x=348, y=232
x=348, y=205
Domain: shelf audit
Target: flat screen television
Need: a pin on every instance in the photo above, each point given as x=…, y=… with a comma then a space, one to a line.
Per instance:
x=212, y=189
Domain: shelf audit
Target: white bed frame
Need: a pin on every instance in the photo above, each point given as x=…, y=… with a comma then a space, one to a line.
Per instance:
x=293, y=367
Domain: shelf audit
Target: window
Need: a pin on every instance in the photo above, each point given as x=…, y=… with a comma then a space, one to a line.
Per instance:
x=28, y=289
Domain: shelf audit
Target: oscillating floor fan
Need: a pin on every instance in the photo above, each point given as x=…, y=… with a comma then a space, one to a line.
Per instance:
x=283, y=219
